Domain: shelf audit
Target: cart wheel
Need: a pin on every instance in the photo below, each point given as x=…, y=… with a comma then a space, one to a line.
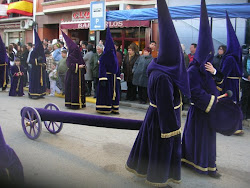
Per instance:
x=53, y=127
x=31, y=123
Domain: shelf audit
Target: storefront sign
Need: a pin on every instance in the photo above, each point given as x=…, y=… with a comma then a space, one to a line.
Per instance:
x=116, y=24
x=80, y=15
x=10, y=26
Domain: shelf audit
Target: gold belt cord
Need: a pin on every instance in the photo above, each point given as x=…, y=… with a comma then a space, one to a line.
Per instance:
x=80, y=88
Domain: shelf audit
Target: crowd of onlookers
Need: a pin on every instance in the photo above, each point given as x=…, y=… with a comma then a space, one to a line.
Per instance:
x=132, y=63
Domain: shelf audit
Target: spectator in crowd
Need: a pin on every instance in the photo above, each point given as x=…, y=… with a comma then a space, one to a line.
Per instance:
x=218, y=57
x=192, y=52
x=30, y=49
x=88, y=76
x=45, y=41
x=62, y=69
x=95, y=65
x=17, y=72
x=62, y=46
x=186, y=59
x=128, y=65
x=23, y=59
x=57, y=52
x=118, y=54
x=49, y=62
x=140, y=77
x=53, y=76
x=124, y=51
x=50, y=48
x=102, y=42
x=245, y=85
x=152, y=45
x=84, y=48
x=11, y=54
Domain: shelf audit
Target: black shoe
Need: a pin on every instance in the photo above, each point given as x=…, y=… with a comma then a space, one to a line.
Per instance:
x=215, y=175
x=115, y=112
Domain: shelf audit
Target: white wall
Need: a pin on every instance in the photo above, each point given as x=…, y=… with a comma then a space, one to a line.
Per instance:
x=188, y=30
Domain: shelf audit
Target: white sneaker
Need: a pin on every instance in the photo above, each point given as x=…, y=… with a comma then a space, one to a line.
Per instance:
x=51, y=95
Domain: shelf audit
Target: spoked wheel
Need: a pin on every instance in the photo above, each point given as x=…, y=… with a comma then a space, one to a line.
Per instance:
x=31, y=123
x=53, y=127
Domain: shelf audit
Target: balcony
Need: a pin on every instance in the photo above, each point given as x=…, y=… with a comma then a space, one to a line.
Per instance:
x=52, y=2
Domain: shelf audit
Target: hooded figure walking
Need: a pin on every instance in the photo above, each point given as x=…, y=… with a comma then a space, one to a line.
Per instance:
x=74, y=80
x=37, y=86
x=156, y=153
x=4, y=66
x=231, y=68
x=199, y=139
x=108, y=89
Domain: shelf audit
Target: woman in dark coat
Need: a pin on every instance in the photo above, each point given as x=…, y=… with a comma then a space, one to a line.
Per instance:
x=23, y=59
x=128, y=65
x=140, y=77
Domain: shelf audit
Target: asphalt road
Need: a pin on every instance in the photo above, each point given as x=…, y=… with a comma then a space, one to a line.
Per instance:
x=91, y=157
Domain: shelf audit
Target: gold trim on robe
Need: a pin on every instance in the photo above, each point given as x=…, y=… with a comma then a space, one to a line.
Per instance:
x=211, y=102
x=199, y=167
x=104, y=78
x=168, y=135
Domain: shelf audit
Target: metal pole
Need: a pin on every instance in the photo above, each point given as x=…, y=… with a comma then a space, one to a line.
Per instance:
x=235, y=25
x=34, y=19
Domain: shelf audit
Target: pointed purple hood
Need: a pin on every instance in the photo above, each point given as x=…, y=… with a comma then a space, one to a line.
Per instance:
x=233, y=45
x=38, y=51
x=74, y=55
x=170, y=52
x=109, y=58
x=205, y=49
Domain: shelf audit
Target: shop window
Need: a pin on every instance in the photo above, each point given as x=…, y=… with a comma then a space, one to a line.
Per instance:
x=15, y=37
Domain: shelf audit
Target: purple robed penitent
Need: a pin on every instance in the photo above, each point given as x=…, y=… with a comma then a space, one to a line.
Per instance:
x=11, y=168
x=74, y=80
x=156, y=153
x=4, y=65
x=108, y=89
x=16, y=88
x=199, y=139
x=231, y=66
x=37, y=87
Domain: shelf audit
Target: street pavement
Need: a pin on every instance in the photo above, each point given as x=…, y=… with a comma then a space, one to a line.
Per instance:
x=92, y=157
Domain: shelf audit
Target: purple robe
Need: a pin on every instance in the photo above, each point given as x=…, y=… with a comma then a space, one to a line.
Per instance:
x=16, y=88
x=37, y=85
x=232, y=75
x=199, y=140
x=108, y=95
x=74, y=85
x=156, y=153
x=4, y=72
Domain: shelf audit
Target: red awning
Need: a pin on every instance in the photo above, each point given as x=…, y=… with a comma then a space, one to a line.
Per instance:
x=116, y=24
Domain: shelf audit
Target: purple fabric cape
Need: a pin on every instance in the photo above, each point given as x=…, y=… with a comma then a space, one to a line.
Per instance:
x=16, y=88
x=37, y=85
x=156, y=153
x=74, y=79
x=10, y=161
x=108, y=94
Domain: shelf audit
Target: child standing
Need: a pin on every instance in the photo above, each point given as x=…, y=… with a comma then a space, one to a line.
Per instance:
x=17, y=72
x=52, y=79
